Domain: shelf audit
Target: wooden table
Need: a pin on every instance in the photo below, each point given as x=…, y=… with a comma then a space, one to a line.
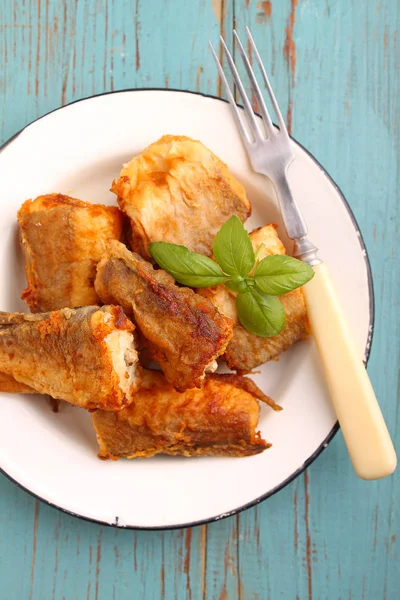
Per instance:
x=335, y=68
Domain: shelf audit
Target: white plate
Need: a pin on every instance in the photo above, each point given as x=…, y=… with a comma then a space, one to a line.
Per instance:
x=78, y=150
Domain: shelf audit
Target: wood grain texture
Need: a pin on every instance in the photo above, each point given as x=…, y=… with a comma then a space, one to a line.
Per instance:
x=335, y=68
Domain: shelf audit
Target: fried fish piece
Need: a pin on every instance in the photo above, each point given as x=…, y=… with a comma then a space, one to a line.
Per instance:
x=183, y=332
x=178, y=191
x=246, y=351
x=63, y=239
x=220, y=419
x=86, y=356
x=12, y=386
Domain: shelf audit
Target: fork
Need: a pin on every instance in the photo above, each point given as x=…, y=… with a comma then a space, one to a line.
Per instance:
x=363, y=426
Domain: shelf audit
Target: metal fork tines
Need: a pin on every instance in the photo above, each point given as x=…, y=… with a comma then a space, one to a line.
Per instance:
x=271, y=153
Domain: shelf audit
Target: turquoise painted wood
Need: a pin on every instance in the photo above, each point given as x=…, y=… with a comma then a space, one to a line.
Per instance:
x=335, y=68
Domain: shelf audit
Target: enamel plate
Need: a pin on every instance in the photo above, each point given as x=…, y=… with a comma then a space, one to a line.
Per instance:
x=78, y=150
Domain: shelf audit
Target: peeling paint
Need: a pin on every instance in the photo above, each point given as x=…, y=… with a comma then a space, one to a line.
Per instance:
x=289, y=48
x=289, y=52
x=98, y=560
x=35, y=528
x=375, y=528
x=186, y=567
x=264, y=11
x=296, y=522
x=219, y=9
x=137, y=30
x=200, y=71
x=308, y=536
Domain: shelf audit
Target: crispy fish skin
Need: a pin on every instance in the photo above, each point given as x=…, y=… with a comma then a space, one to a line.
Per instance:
x=183, y=332
x=85, y=356
x=178, y=191
x=220, y=419
x=63, y=239
x=247, y=351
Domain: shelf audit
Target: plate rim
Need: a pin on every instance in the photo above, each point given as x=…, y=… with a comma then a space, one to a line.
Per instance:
x=325, y=443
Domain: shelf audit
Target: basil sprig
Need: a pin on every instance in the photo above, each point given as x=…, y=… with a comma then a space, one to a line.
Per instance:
x=257, y=283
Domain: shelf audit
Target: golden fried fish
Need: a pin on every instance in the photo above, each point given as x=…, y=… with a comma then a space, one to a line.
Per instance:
x=246, y=351
x=63, y=239
x=220, y=419
x=86, y=356
x=183, y=332
x=178, y=191
x=12, y=386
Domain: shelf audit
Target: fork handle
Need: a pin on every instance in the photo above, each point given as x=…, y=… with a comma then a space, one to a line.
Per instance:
x=364, y=429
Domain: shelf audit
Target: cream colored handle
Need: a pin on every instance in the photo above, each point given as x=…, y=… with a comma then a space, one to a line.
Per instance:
x=364, y=429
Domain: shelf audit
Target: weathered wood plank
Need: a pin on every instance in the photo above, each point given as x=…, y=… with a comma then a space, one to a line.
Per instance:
x=222, y=560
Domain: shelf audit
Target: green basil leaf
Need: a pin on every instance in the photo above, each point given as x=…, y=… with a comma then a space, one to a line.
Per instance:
x=189, y=268
x=260, y=314
x=279, y=274
x=233, y=248
x=236, y=285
